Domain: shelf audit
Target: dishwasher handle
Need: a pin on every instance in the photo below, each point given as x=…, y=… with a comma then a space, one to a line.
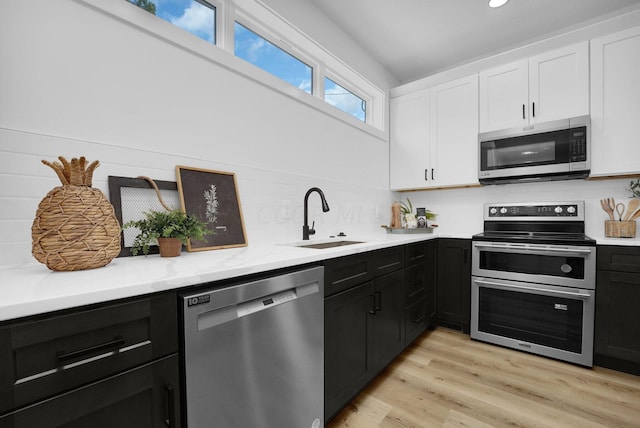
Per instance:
x=209, y=319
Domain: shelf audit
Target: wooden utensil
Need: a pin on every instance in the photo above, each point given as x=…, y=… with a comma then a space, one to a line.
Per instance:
x=604, y=203
x=632, y=207
x=635, y=215
x=612, y=204
x=620, y=210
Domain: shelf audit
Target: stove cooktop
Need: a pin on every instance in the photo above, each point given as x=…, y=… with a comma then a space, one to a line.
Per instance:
x=547, y=223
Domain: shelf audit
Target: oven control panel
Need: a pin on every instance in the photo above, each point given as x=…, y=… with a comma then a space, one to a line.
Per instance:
x=535, y=211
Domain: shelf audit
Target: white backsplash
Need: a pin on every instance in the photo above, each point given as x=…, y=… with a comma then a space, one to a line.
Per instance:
x=460, y=211
x=272, y=202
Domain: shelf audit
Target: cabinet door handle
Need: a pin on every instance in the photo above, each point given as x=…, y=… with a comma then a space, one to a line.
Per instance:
x=426, y=175
x=372, y=304
x=419, y=319
x=466, y=255
x=117, y=342
x=523, y=116
x=171, y=408
x=378, y=300
x=533, y=109
x=432, y=173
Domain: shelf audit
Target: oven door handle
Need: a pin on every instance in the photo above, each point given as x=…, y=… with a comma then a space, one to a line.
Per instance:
x=531, y=249
x=504, y=286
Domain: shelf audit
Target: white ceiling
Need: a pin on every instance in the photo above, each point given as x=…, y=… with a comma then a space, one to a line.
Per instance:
x=416, y=38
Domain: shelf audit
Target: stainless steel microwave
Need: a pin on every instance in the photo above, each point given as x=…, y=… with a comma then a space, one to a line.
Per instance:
x=556, y=150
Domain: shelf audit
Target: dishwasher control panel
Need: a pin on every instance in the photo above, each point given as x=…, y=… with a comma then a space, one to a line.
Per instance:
x=265, y=302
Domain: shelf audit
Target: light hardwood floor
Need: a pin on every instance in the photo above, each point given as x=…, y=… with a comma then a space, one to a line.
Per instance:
x=445, y=379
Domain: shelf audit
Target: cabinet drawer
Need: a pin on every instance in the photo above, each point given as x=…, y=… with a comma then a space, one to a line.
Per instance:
x=147, y=396
x=415, y=253
x=43, y=357
x=416, y=284
x=388, y=260
x=619, y=259
x=345, y=272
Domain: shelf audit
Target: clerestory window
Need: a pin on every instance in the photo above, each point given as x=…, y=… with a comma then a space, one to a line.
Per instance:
x=260, y=52
x=342, y=98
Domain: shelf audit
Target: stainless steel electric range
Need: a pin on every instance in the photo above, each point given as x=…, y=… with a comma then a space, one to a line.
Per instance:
x=533, y=280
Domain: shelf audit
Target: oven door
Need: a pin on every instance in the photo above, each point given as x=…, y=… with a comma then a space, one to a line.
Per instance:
x=556, y=322
x=569, y=266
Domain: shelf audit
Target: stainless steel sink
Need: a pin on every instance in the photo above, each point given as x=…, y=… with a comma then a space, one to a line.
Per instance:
x=330, y=244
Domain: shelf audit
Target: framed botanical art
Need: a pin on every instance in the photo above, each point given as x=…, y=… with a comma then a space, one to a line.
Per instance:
x=212, y=197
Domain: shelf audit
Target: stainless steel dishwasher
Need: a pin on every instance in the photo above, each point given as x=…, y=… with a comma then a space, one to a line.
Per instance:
x=254, y=353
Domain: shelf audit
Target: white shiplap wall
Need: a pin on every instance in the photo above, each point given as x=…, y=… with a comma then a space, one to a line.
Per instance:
x=272, y=202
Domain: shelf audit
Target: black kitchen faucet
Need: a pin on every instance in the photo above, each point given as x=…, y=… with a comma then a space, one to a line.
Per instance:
x=306, y=231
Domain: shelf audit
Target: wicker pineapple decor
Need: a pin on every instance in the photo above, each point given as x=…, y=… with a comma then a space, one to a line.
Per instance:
x=75, y=227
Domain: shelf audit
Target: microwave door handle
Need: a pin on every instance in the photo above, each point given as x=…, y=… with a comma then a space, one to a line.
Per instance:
x=536, y=250
x=503, y=286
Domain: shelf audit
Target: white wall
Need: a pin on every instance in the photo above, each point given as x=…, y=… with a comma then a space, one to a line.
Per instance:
x=76, y=81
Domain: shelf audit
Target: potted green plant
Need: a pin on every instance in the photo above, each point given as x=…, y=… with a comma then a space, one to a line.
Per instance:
x=170, y=229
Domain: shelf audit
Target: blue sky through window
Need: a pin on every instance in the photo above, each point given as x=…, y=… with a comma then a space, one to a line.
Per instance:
x=344, y=99
x=190, y=15
x=260, y=52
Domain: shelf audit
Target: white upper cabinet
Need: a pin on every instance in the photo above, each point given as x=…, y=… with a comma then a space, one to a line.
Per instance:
x=504, y=94
x=553, y=85
x=409, y=140
x=454, y=133
x=615, y=103
x=434, y=136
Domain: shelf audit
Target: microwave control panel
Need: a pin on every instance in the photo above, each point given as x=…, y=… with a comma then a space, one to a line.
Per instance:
x=578, y=144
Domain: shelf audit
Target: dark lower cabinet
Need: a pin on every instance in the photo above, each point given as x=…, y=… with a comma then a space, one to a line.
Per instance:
x=454, y=283
x=144, y=397
x=111, y=365
x=364, y=332
x=386, y=316
x=347, y=333
x=617, y=330
x=364, y=321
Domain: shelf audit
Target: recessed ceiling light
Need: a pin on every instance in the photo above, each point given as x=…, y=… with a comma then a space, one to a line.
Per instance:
x=497, y=3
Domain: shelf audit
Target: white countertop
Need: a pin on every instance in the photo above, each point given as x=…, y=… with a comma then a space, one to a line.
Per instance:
x=631, y=242
x=34, y=289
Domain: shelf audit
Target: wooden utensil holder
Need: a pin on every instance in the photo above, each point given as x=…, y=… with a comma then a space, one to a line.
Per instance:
x=620, y=229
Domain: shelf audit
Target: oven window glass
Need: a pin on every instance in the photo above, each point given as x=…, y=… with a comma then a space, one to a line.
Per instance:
x=533, y=264
x=544, y=320
x=547, y=148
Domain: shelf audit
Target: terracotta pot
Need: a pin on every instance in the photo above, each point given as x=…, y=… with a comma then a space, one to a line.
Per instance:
x=170, y=247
